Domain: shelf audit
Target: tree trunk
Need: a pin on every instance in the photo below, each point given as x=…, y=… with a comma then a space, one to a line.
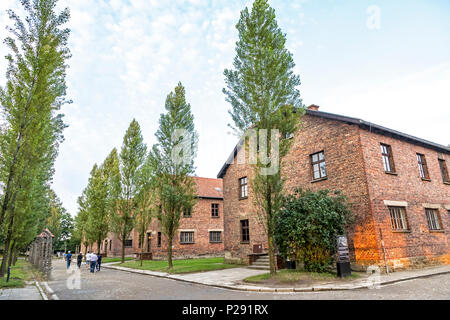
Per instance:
x=14, y=254
x=169, y=257
x=142, y=247
x=98, y=246
x=7, y=247
x=123, y=250
x=273, y=269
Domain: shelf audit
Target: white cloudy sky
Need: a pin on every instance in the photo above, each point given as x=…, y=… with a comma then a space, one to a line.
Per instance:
x=129, y=54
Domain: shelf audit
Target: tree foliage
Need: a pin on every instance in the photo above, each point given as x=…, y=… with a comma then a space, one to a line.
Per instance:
x=131, y=159
x=308, y=225
x=262, y=91
x=174, y=156
x=30, y=102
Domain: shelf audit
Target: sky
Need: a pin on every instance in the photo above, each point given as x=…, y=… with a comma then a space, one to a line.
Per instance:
x=387, y=62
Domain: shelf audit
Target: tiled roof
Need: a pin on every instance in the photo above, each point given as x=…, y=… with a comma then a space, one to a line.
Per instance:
x=209, y=188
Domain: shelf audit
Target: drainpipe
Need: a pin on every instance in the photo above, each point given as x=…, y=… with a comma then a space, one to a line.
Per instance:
x=384, y=251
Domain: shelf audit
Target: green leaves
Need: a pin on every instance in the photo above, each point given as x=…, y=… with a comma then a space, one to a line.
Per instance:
x=308, y=224
x=34, y=92
x=262, y=91
x=173, y=160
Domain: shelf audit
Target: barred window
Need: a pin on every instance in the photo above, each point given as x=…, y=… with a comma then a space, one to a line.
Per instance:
x=398, y=218
x=423, y=168
x=159, y=239
x=215, y=236
x=433, y=219
x=128, y=243
x=388, y=159
x=245, y=231
x=187, y=212
x=243, y=188
x=444, y=171
x=187, y=237
x=214, y=209
x=319, y=169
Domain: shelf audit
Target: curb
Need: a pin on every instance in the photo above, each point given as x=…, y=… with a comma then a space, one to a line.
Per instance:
x=41, y=292
x=273, y=290
x=50, y=293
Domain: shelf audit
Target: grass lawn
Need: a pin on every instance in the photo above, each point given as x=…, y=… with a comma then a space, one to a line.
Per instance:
x=21, y=272
x=296, y=276
x=181, y=266
x=115, y=259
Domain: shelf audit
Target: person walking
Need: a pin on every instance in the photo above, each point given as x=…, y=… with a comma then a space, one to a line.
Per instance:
x=88, y=258
x=79, y=260
x=93, y=260
x=69, y=259
x=99, y=261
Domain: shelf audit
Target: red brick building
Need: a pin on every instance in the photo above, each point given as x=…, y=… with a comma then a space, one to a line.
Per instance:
x=399, y=186
x=200, y=232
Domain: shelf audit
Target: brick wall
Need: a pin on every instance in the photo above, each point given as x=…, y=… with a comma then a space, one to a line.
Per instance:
x=354, y=166
x=418, y=245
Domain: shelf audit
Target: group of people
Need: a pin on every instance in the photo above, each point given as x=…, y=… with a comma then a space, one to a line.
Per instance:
x=93, y=261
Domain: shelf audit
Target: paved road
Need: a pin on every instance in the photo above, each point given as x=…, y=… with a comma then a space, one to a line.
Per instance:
x=119, y=285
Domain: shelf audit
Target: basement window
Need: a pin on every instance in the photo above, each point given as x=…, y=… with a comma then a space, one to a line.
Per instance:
x=187, y=237
x=398, y=218
x=433, y=219
x=215, y=236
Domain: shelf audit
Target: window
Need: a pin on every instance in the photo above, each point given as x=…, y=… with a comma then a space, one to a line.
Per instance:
x=243, y=192
x=444, y=171
x=140, y=243
x=422, y=166
x=128, y=243
x=319, y=169
x=398, y=218
x=187, y=212
x=388, y=159
x=433, y=219
x=245, y=231
x=159, y=239
x=215, y=236
x=187, y=237
x=110, y=244
x=215, y=210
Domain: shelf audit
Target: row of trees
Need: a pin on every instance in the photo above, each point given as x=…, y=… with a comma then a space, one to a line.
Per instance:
x=129, y=189
x=262, y=91
x=31, y=125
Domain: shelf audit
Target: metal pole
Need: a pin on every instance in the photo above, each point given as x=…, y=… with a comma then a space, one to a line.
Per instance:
x=9, y=273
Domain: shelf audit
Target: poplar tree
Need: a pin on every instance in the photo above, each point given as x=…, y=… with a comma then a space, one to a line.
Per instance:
x=145, y=202
x=34, y=92
x=174, y=156
x=131, y=159
x=97, y=223
x=261, y=89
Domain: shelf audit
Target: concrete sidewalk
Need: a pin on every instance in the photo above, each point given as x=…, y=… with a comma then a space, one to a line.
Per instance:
x=233, y=279
x=30, y=292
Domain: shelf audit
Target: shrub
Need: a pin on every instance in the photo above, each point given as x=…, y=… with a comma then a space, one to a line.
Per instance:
x=308, y=224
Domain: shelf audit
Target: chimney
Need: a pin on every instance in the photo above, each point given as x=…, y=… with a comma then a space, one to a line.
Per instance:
x=313, y=107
